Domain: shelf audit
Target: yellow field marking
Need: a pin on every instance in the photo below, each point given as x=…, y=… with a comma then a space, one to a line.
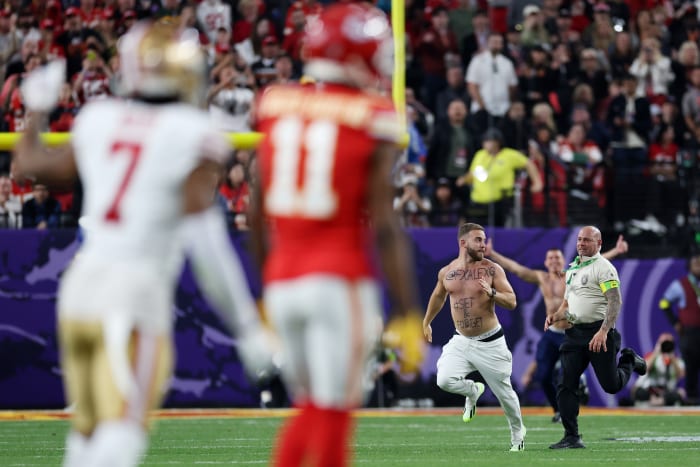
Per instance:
x=44, y=415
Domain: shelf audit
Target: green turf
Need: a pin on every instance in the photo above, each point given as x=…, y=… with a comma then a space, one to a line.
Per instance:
x=393, y=441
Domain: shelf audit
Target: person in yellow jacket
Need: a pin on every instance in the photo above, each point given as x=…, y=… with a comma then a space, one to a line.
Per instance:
x=492, y=179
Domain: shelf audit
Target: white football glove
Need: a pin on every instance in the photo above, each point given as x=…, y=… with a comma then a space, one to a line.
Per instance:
x=42, y=87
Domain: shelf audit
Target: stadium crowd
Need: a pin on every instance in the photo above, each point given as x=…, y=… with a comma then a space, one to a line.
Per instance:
x=602, y=98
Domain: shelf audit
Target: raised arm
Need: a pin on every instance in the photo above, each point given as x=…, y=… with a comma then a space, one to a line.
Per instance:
x=523, y=272
x=32, y=159
x=621, y=247
x=435, y=304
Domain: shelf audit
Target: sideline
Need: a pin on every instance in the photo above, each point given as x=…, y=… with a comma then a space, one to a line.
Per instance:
x=44, y=415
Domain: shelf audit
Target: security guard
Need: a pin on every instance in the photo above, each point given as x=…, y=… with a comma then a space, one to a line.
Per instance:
x=591, y=306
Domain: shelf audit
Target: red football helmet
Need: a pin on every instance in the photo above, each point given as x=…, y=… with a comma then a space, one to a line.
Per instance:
x=349, y=43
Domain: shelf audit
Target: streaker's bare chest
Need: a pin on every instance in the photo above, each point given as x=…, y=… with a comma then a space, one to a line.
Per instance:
x=462, y=281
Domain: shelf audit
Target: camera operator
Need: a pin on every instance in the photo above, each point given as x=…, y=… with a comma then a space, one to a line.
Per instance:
x=681, y=304
x=660, y=385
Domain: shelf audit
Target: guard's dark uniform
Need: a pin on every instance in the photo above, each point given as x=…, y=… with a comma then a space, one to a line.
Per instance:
x=587, y=280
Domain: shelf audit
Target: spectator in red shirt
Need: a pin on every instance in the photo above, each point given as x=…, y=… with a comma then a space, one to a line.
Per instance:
x=90, y=14
x=94, y=79
x=665, y=192
x=310, y=8
x=10, y=97
x=236, y=192
x=15, y=116
x=293, y=35
x=22, y=188
x=61, y=118
x=243, y=27
x=75, y=40
x=435, y=46
x=54, y=11
x=48, y=48
x=583, y=160
x=579, y=19
x=221, y=43
x=251, y=48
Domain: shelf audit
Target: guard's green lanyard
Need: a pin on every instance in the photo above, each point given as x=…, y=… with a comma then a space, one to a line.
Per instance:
x=577, y=264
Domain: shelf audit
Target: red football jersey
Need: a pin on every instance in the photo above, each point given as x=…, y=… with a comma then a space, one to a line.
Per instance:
x=314, y=163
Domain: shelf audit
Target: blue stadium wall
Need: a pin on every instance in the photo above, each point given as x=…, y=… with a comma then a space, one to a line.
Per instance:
x=208, y=373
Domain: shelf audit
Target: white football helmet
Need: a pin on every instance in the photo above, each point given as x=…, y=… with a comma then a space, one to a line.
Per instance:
x=158, y=60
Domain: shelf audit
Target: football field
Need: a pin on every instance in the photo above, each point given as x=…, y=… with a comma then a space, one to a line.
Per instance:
x=386, y=438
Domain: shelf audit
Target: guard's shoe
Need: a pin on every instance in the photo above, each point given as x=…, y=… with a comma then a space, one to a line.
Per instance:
x=568, y=442
x=640, y=365
x=520, y=446
x=470, y=403
x=556, y=418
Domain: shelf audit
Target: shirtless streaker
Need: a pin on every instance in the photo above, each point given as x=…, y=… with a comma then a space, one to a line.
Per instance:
x=475, y=285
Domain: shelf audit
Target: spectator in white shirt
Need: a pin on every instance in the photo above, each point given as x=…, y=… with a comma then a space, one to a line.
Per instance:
x=492, y=84
x=10, y=205
x=652, y=69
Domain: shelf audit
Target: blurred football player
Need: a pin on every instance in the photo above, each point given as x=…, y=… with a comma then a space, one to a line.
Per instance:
x=150, y=167
x=322, y=209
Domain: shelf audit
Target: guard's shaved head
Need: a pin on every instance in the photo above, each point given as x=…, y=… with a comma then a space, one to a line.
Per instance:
x=589, y=241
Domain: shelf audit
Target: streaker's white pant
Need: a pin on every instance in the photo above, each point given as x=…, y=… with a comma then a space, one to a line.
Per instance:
x=461, y=356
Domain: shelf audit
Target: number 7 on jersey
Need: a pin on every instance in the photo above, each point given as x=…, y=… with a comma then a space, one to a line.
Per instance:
x=132, y=150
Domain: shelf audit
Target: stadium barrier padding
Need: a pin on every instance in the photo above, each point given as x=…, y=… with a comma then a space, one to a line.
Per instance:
x=208, y=373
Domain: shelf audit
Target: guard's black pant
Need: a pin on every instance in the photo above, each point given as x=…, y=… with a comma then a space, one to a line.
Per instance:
x=575, y=358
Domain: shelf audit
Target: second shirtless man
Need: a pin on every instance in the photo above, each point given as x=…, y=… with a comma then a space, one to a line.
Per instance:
x=475, y=285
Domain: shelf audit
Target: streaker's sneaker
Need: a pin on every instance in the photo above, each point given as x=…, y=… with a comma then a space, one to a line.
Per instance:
x=515, y=447
x=470, y=404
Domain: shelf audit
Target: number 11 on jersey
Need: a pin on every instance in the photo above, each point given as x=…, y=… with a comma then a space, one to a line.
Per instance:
x=314, y=196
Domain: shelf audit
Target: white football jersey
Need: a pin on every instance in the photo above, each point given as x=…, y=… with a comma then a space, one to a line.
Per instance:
x=213, y=15
x=133, y=160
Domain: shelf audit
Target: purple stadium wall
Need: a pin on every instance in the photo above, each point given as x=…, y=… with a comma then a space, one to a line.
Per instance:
x=208, y=373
